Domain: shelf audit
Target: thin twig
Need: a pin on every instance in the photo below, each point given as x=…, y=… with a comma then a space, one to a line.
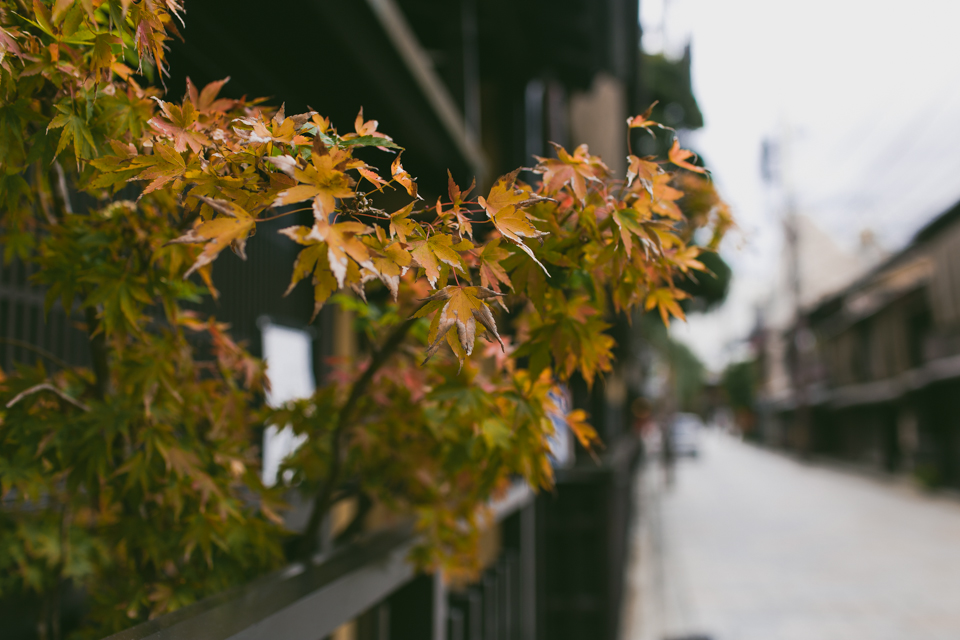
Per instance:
x=38, y=350
x=46, y=386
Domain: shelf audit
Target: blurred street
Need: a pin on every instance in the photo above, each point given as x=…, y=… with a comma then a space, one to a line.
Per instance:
x=751, y=545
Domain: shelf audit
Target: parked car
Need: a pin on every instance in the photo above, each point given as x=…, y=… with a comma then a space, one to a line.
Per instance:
x=684, y=434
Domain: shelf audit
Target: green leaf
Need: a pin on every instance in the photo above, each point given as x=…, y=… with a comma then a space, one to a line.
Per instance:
x=75, y=130
x=369, y=141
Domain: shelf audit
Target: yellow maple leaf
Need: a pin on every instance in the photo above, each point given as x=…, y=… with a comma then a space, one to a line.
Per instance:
x=229, y=230
x=679, y=157
x=323, y=180
x=504, y=206
x=665, y=299
x=461, y=307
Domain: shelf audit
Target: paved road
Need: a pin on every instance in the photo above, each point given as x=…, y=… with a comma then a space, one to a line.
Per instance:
x=751, y=545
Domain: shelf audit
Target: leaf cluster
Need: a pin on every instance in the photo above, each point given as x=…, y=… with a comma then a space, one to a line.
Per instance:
x=138, y=475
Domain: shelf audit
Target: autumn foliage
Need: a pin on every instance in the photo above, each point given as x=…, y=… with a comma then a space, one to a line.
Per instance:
x=138, y=478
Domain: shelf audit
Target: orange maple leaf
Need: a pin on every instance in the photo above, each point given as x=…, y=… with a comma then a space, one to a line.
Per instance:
x=401, y=176
x=206, y=101
x=679, y=157
x=643, y=120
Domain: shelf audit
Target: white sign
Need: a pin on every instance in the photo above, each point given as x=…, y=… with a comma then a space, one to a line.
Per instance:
x=289, y=356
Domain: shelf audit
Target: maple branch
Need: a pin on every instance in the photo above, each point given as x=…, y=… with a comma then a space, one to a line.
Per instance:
x=284, y=214
x=324, y=498
x=46, y=386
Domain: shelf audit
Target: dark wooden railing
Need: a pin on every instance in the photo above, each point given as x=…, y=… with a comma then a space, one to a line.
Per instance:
x=371, y=584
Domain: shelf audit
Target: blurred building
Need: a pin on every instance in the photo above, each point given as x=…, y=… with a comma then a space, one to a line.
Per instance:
x=882, y=363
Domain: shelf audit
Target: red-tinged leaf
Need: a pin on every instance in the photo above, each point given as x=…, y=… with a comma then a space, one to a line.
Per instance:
x=206, y=100
x=492, y=273
x=462, y=308
x=679, y=157
x=228, y=230
x=180, y=126
x=370, y=174
x=574, y=170
x=464, y=224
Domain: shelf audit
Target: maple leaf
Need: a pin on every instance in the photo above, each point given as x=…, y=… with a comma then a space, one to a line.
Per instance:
x=323, y=180
x=206, y=100
x=574, y=170
x=231, y=229
x=367, y=135
x=504, y=208
x=646, y=170
x=665, y=300
x=75, y=129
x=629, y=223
x=313, y=260
x=461, y=307
x=342, y=245
x=438, y=248
x=101, y=55
x=401, y=176
x=163, y=166
x=492, y=273
x=371, y=175
x=660, y=197
x=679, y=157
x=456, y=199
x=181, y=126
x=643, y=120
x=391, y=262
x=401, y=225
x=586, y=434
x=686, y=259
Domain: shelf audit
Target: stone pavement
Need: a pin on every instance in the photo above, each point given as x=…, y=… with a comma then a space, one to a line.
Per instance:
x=751, y=545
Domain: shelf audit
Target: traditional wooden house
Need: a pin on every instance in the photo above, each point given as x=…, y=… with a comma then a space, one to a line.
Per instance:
x=883, y=364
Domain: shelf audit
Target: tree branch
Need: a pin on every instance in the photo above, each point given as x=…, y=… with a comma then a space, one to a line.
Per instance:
x=46, y=386
x=322, y=501
x=98, y=354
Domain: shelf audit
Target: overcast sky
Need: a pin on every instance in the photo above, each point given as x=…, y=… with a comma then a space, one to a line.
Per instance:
x=867, y=92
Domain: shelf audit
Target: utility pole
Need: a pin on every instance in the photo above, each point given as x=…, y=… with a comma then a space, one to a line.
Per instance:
x=777, y=170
